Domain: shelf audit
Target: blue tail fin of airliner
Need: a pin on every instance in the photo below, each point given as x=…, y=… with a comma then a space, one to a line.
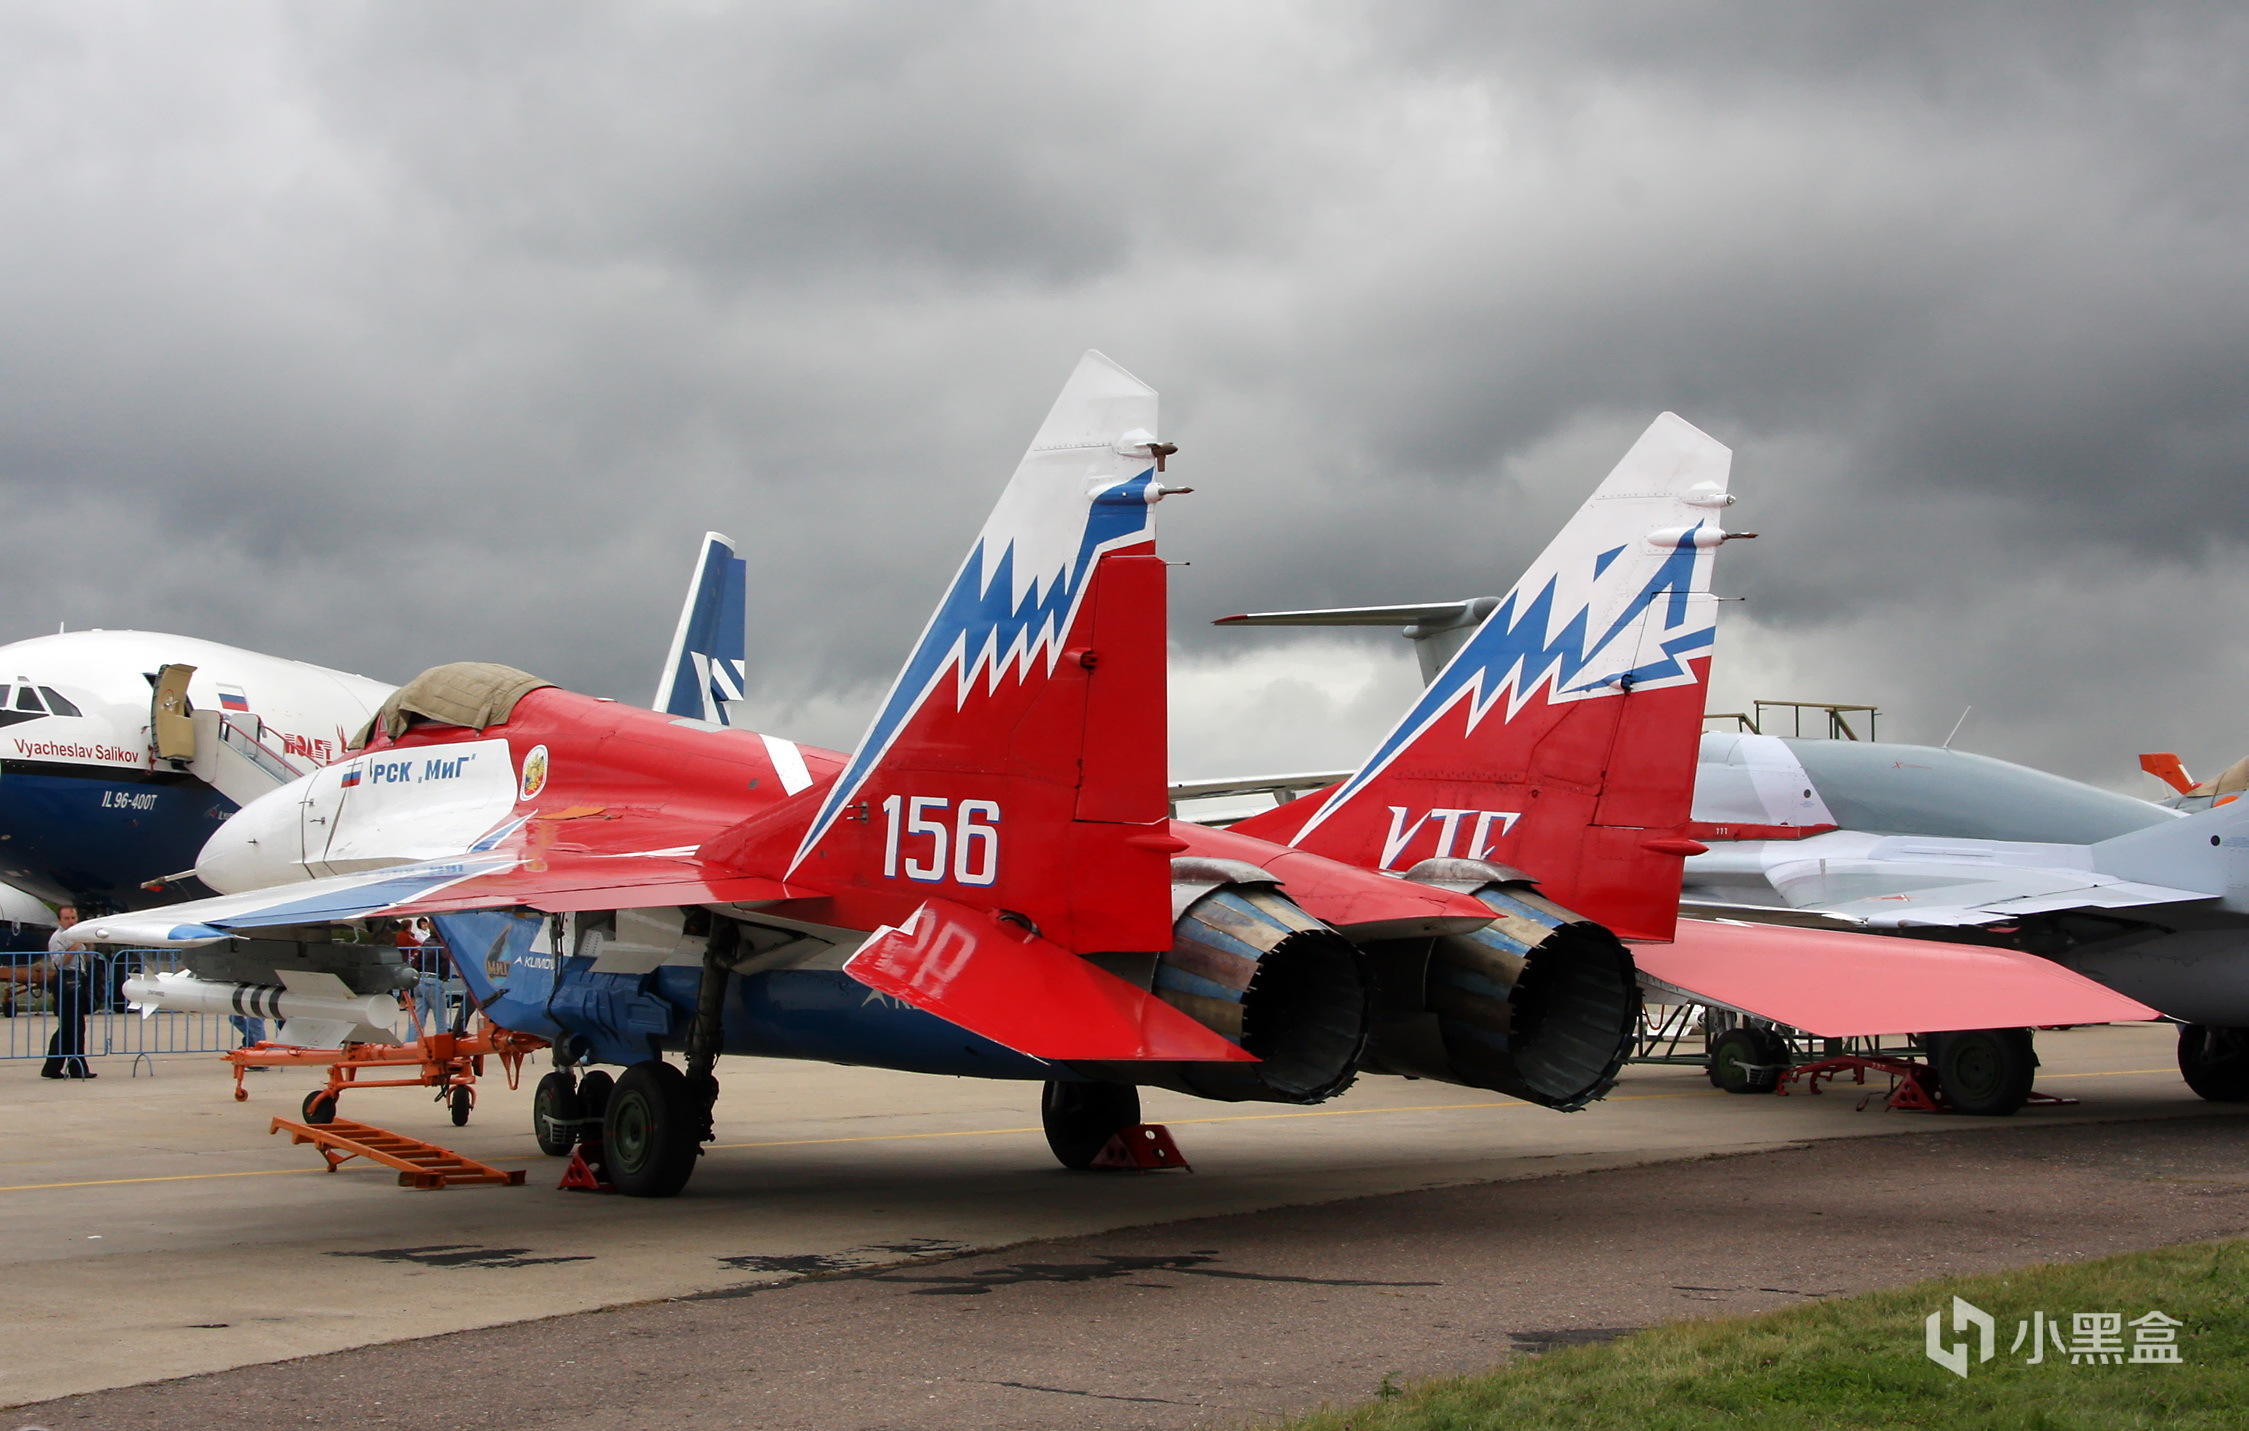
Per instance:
x=706, y=667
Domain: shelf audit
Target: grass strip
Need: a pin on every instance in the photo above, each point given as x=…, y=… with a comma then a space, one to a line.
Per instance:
x=1858, y=1363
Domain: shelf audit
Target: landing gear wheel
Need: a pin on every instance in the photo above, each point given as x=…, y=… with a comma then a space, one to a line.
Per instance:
x=2215, y=1062
x=648, y=1141
x=555, y=1111
x=1986, y=1072
x=320, y=1107
x=1747, y=1060
x=459, y=1102
x=593, y=1093
x=1081, y=1118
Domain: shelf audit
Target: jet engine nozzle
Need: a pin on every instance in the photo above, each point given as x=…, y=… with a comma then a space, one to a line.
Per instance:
x=1248, y=963
x=1540, y=1004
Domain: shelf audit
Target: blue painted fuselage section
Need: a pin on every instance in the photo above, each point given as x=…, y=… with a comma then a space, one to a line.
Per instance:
x=89, y=833
x=819, y=1014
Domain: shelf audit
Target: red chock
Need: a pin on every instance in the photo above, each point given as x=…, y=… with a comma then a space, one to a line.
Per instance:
x=1143, y=1147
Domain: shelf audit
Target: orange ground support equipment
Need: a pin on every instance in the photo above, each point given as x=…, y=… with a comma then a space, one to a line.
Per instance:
x=449, y=1063
x=420, y=1165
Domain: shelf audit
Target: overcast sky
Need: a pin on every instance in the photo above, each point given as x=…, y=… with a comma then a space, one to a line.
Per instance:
x=384, y=334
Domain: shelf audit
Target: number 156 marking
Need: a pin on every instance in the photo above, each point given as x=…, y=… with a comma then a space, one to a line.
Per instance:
x=966, y=850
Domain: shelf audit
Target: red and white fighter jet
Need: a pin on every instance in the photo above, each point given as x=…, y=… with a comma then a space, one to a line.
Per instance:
x=991, y=885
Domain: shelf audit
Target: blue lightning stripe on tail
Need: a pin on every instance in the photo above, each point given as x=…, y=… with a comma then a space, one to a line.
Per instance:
x=1512, y=655
x=989, y=632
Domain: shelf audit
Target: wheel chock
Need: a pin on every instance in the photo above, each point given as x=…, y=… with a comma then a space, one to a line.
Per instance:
x=580, y=1176
x=1143, y=1147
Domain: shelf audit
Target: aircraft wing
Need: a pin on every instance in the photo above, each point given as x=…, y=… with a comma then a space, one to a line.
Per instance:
x=1985, y=901
x=553, y=882
x=1841, y=985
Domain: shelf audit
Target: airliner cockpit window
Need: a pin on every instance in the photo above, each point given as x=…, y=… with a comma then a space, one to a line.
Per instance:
x=27, y=699
x=57, y=703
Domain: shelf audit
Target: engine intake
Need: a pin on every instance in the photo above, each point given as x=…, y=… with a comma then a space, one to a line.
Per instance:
x=1539, y=1005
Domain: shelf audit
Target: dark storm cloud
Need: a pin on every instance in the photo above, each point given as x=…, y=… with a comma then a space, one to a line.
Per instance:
x=385, y=334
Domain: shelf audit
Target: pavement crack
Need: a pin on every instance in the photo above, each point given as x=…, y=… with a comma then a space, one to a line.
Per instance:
x=1107, y=1267
x=460, y=1254
x=1095, y=1395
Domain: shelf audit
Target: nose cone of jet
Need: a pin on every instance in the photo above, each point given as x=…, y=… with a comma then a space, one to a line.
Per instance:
x=261, y=845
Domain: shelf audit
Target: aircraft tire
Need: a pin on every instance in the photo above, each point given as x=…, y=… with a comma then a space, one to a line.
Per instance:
x=648, y=1132
x=2215, y=1062
x=1747, y=1060
x=320, y=1107
x=555, y=1111
x=593, y=1093
x=1081, y=1118
x=1984, y=1072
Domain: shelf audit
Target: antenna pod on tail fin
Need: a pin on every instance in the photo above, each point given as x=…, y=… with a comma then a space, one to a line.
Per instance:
x=706, y=667
x=1018, y=761
x=1561, y=738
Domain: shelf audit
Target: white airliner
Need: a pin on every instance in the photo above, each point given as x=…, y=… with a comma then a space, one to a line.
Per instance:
x=121, y=751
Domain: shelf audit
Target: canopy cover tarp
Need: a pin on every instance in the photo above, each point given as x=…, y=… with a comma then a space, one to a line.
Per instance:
x=475, y=694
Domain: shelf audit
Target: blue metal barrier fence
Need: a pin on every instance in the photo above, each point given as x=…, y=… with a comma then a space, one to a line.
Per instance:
x=30, y=1018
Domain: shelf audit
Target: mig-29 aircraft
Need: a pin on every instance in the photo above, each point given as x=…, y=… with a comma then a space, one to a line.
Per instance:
x=1614, y=625
x=991, y=885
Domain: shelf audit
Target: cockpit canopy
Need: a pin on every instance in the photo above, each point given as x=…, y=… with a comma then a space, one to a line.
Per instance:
x=1885, y=789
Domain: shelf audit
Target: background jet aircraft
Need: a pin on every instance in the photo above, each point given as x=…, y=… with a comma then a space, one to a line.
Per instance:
x=2191, y=795
x=121, y=752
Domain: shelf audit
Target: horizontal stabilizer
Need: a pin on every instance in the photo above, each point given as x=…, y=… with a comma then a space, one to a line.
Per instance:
x=1256, y=785
x=1002, y=982
x=1409, y=615
x=1839, y=985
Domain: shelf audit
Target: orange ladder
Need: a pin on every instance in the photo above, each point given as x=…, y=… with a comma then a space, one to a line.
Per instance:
x=419, y=1164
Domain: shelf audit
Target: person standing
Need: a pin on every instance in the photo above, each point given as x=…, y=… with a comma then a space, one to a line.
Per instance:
x=429, y=976
x=67, y=968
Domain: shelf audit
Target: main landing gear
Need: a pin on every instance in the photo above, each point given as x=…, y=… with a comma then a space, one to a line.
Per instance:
x=641, y=1132
x=2215, y=1062
x=1987, y=1072
x=1984, y=1072
x=1081, y=1118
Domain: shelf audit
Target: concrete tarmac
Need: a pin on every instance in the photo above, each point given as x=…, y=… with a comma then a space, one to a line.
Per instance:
x=152, y=1229
x=1230, y=1321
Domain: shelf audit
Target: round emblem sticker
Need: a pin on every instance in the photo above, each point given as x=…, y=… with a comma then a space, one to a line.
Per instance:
x=534, y=772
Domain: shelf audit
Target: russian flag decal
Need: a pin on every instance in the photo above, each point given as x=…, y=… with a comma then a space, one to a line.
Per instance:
x=233, y=699
x=351, y=777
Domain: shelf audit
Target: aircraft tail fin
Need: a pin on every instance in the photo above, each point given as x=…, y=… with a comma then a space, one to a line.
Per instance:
x=2207, y=852
x=1018, y=762
x=1561, y=737
x=705, y=671
x=2168, y=768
